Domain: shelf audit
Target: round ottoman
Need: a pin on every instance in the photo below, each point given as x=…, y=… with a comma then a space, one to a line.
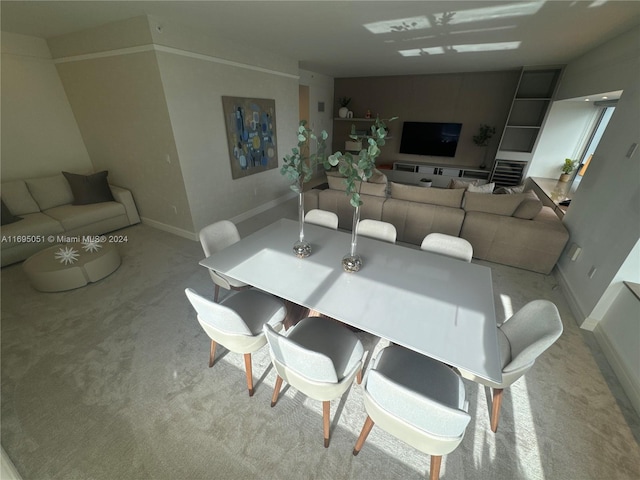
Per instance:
x=69, y=266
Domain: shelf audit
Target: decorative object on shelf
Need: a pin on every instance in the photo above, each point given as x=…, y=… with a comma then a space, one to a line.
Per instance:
x=251, y=134
x=344, y=103
x=425, y=182
x=349, y=114
x=368, y=114
x=568, y=167
x=299, y=167
x=357, y=170
x=481, y=139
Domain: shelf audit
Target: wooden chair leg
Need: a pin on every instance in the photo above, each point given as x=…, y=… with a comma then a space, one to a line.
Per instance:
x=247, y=366
x=212, y=353
x=434, y=470
x=366, y=428
x=495, y=408
x=276, y=391
x=359, y=377
x=216, y=291
x=326, y=414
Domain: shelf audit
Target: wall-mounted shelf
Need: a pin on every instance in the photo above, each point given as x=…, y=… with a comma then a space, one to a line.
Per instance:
x=339, y=119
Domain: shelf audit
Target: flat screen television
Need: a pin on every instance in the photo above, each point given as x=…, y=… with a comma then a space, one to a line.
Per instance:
x=430, y=138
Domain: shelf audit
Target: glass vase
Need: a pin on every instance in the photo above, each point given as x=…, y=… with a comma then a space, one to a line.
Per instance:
x=301, y=248
x=352, y=262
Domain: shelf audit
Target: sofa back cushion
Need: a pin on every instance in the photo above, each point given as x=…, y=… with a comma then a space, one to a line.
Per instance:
x=50, y=192
x=436, y=196
x=17, y=198
x=6, y=216
x=376, y=186
x=506, y=205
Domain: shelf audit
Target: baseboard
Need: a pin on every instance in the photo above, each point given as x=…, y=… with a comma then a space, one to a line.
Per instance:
x=582, y=319
x=170, y=228
x=631, y=388
x=262, y=208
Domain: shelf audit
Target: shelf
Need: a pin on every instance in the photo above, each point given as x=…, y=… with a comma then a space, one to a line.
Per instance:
x=338, y=119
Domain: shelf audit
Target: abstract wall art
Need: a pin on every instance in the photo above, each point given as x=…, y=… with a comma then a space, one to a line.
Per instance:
x=251, y=134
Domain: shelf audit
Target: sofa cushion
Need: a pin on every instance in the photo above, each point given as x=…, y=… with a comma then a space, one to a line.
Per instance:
x=7, y=217
x=88, y=189
x=496, y=204
x=530, y=206
x=50, y=192
x=435, y=196
x=37, y=224
x=76, y=216
x=376, y=186
x=17, y=198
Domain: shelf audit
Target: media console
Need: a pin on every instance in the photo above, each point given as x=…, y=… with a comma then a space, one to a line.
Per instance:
x=439, y=174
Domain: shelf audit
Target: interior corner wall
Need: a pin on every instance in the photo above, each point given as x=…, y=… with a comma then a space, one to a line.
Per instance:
x=604, y=217
x=119, y=103
x=320, y=91
x=40, y=135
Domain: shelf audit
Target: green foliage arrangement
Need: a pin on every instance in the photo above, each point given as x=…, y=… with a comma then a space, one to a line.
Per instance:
x=359, y=169
x=569, y=165
x=485, y=133
x=299, y=165
x=344, y=101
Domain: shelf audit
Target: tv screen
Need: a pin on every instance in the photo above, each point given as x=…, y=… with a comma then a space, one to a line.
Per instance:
x=429, y=138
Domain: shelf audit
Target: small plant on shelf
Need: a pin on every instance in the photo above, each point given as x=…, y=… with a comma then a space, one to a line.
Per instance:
x=568, y=167
x=344, y=101
x=481, y=139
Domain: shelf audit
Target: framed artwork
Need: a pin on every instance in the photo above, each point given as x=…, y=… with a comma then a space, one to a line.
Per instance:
x=251, y=134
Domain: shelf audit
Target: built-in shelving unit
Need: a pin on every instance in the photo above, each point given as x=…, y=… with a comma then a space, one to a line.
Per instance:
x=342, y=130
x=528, y=113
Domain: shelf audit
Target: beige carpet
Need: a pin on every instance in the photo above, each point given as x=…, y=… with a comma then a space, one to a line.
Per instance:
x=110, y=381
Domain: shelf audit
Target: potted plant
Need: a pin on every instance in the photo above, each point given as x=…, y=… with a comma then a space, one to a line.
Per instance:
x=568, y=167
x=485, y=133
x=358, y=169
x=299, y=167
x=344, y=103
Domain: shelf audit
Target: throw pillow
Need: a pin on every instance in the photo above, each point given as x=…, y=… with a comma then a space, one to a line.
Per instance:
x=530, y=206
x=486, y=188
x=6, y=216
x=89, y=188
x=454, y=183
x=509, y=190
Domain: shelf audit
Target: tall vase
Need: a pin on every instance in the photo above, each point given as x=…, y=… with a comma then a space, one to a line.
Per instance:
x=301, y=248
x=352, y=262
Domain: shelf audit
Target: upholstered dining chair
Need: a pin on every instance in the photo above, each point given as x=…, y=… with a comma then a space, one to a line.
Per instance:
x=236, y=323
x=323, y=218
x=214, y=238
x=417, y=400
x=376, y=229
x=318, y=357
x=522, y=339
x=448, y=245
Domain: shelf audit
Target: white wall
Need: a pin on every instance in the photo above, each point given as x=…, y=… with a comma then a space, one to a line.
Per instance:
x=566, y=130
x=39, y=132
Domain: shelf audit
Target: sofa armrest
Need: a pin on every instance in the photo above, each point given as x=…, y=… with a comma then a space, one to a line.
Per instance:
x=123, y=196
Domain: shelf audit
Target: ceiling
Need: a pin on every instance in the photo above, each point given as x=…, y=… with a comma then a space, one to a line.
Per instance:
x=365, y=38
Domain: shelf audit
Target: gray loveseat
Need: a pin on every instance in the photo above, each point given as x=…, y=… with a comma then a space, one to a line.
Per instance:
x=46, y=211
x=511, y=229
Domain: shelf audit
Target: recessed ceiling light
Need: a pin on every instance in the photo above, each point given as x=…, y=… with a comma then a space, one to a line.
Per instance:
x=586, y=99
x=605, y=97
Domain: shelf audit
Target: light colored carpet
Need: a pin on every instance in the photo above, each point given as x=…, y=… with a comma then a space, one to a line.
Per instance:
x=110, y=381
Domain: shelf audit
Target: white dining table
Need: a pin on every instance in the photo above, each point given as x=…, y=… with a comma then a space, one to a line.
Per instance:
x=435, y=305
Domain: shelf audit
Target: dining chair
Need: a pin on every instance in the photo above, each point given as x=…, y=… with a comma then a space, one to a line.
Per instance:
x=236, y=323
x=522, y=339
x=376, y=229
x=318, y=357
x=417, y=400
x=448, y=245
x=214, y=238
x=323, y=218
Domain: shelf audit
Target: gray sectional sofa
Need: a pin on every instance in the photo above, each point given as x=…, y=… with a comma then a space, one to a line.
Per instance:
x=511, y=229
x=45, y=210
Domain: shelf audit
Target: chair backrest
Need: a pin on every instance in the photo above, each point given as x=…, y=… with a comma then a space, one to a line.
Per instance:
x=376, y=229
x=217, y=316
x=217, y=236
x=312, y=365
x=322, y=218
x=448, y=245
x=530, y=331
